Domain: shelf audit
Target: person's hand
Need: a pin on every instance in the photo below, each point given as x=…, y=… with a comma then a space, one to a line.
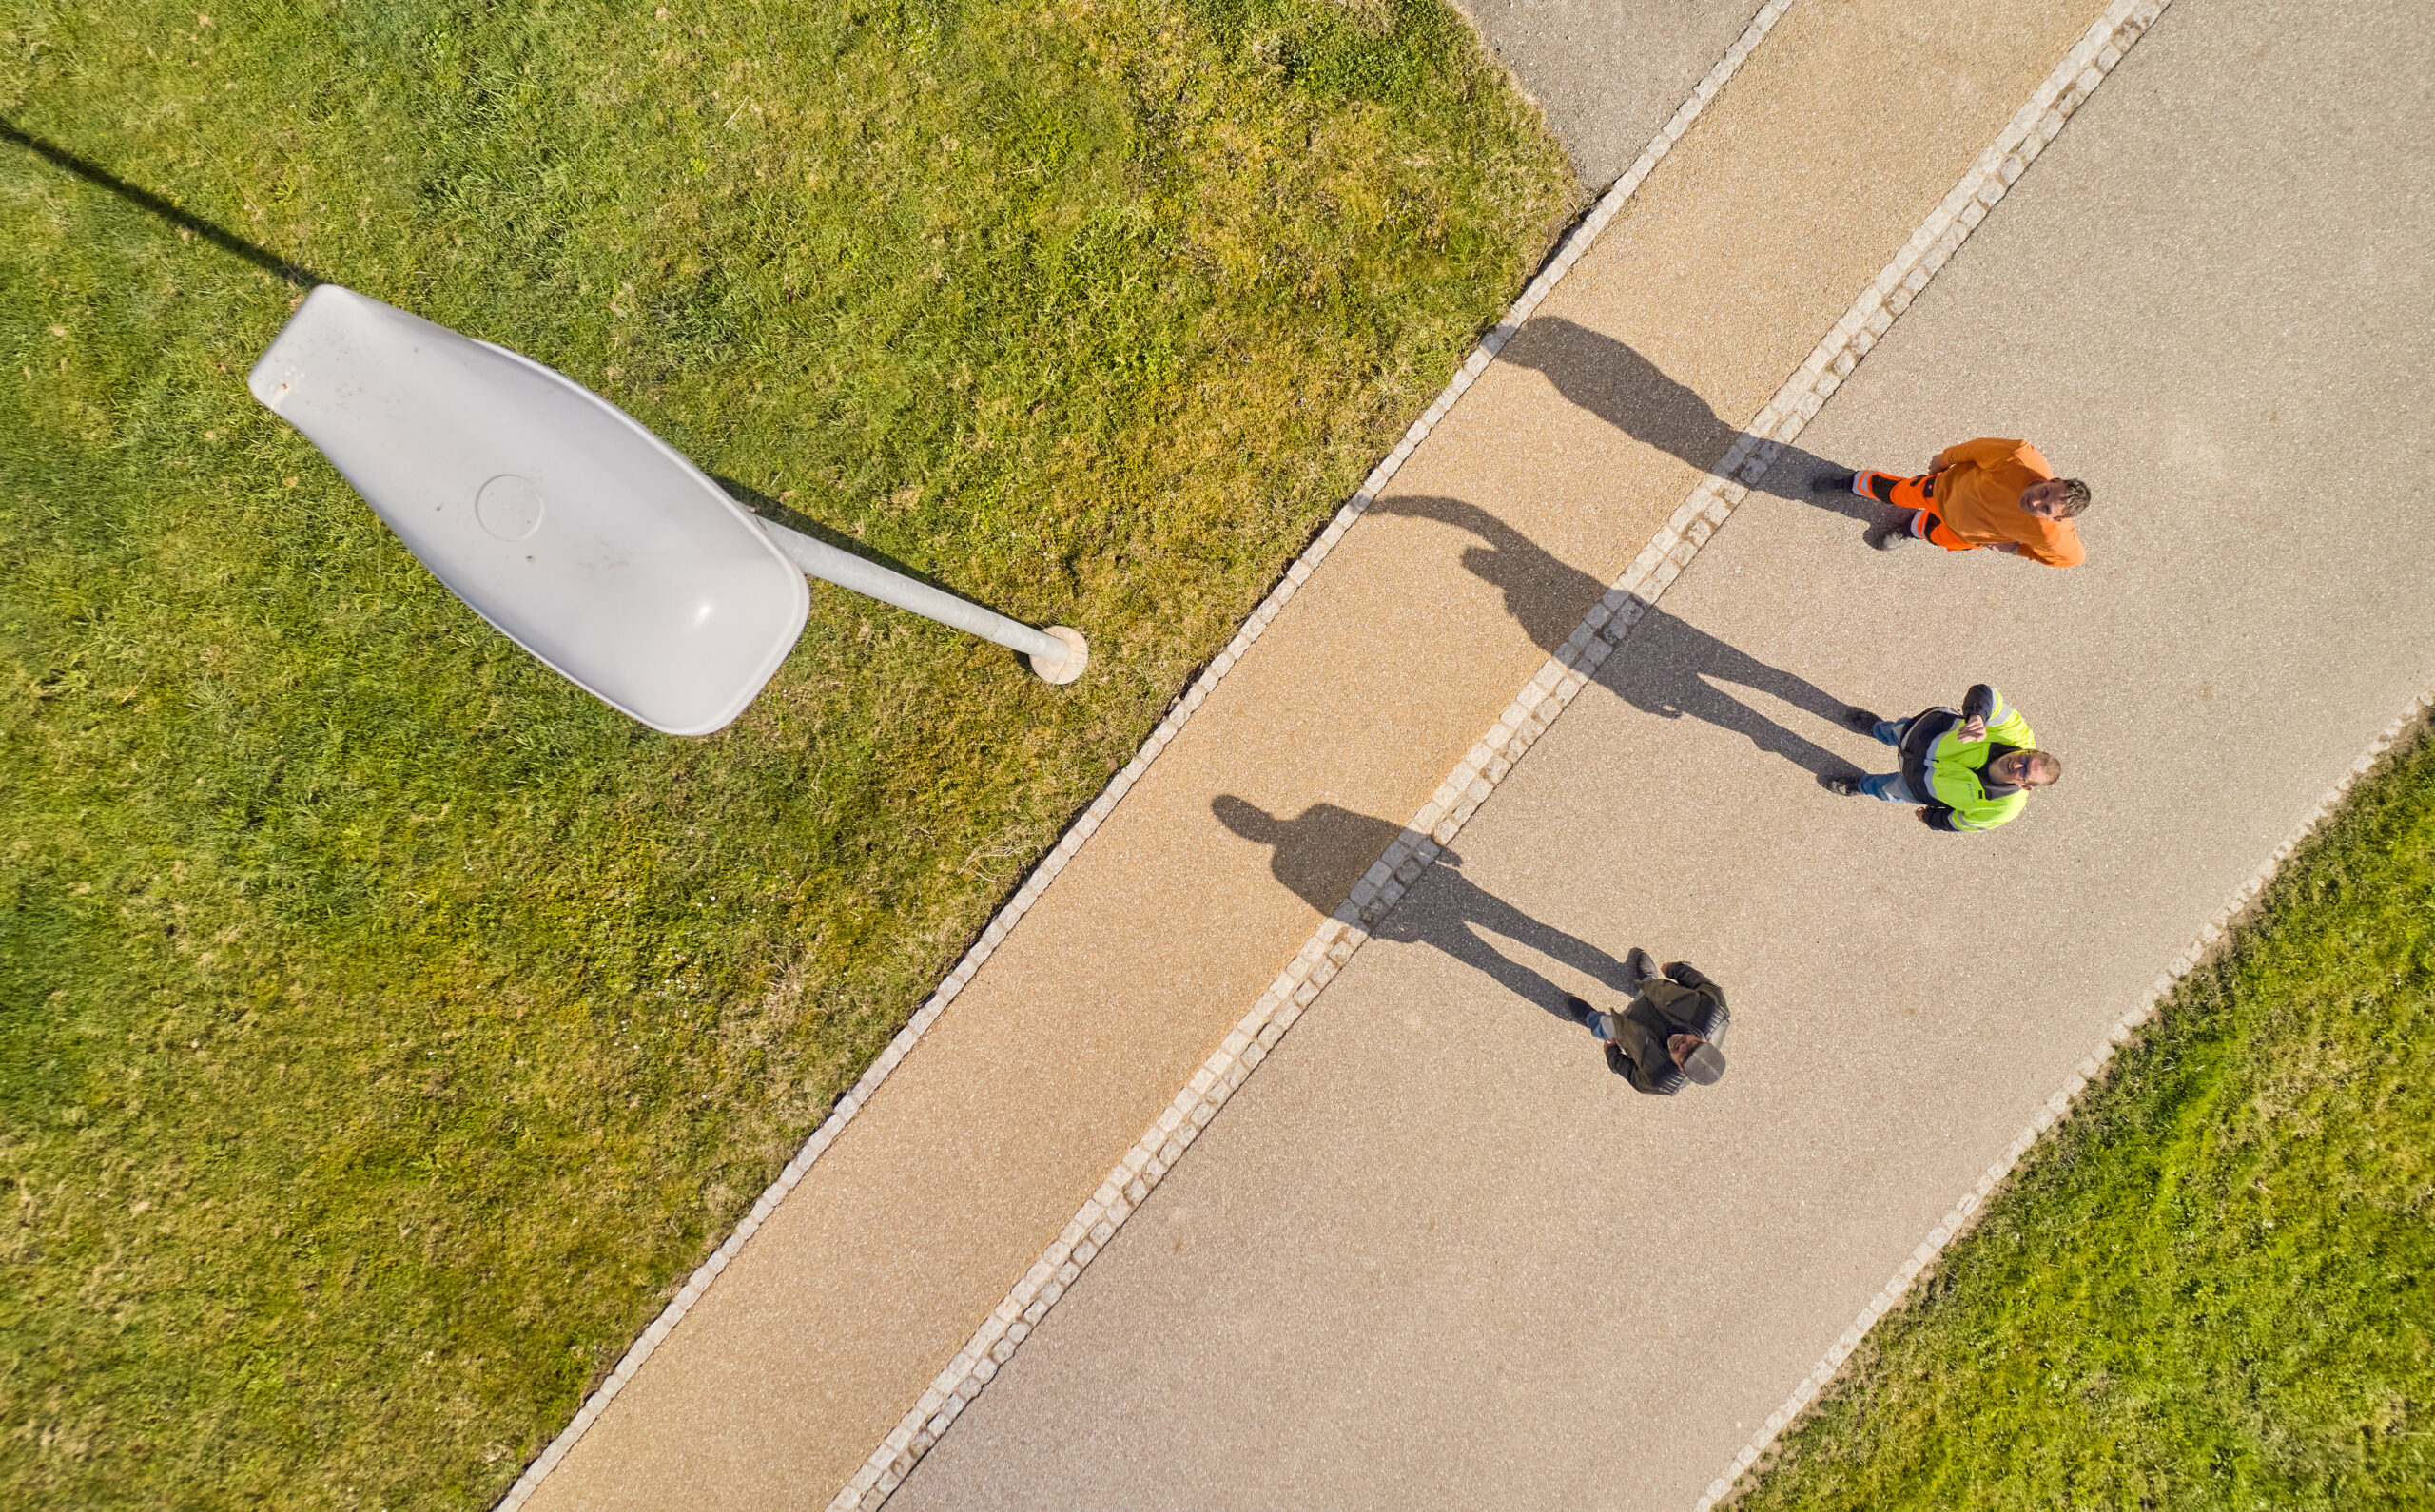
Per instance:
x=1974, y=729
x=1928, y=817
x=1937, y=464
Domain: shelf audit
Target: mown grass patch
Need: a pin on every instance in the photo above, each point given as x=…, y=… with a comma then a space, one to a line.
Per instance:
x=385, y=1026
x=2214, y=1287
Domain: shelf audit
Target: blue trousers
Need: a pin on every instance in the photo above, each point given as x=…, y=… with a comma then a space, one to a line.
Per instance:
x=1891, y=788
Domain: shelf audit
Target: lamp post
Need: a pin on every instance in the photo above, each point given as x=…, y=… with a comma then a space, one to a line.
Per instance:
x=573, y=530
x=1056, y=654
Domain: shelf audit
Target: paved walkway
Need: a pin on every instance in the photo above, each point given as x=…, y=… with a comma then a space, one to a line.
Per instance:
x=1432, y=1255
x=1402, y=1240
x=1607, y=73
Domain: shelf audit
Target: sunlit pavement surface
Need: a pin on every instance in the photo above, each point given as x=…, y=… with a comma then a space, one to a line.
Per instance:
x=1432, y=1254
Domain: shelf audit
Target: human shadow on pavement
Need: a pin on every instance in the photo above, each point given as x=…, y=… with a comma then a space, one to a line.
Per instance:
x=1628, y=392
x=1313, y=854
x=1319, y=855
x=1670, y=668
x=1546, y=594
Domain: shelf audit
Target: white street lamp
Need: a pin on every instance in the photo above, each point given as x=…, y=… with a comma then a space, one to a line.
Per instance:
x=557, y=518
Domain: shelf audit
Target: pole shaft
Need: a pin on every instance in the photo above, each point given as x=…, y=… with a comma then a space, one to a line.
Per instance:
x=821, y=560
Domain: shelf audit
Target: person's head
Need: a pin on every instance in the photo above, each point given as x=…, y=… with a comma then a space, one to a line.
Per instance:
x=2026, y=768
x=2057, y=498
x=1701, y=1062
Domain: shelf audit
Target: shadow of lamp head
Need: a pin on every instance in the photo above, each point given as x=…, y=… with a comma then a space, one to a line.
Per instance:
x=559, y=518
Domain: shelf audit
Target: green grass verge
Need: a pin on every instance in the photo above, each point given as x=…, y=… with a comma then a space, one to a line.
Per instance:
x=2214, y=1285
x=384, y=1025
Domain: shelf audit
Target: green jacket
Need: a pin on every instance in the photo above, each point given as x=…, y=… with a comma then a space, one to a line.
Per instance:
x=1949, y=775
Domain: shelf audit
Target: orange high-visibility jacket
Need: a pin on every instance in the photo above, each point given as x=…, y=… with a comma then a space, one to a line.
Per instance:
x=1979, y=495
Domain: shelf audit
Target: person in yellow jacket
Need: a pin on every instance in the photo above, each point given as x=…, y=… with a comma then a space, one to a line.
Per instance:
x=1969, y=770
x=1985, y=492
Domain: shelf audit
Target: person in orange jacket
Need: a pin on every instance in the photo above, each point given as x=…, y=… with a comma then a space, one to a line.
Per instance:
x=1985, y=492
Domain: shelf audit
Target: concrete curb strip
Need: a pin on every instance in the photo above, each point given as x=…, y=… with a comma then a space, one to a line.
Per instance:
x=996, y=1339
x=1538, y=704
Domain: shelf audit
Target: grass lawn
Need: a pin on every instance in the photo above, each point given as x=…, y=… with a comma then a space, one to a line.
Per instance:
x=2214, y=1286
x=385, y=1026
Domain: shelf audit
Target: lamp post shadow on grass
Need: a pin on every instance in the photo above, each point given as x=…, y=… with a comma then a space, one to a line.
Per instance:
x=1322, y=851
x=1636, y=396
x=151, y=203
x=1668, y=667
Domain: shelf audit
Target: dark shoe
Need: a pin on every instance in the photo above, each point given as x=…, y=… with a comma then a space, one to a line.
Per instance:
x=1861, y=720
x=1579, y=1008
x=1639, y=966
x=1832, y=483
x=1843, y=786
x=1893, y=537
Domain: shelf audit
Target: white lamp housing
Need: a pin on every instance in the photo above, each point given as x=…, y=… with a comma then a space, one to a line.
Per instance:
x=554, y=515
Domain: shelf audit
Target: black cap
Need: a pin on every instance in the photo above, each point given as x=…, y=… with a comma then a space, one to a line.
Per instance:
x=1705, y=1065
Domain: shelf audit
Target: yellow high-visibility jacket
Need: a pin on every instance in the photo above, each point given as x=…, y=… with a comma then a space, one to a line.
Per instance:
x=1949, y=773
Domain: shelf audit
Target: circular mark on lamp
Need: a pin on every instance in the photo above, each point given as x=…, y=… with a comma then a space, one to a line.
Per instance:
x=509, y=507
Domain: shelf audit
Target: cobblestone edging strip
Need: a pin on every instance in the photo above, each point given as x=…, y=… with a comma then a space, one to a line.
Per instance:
x=2056, y=1108
x=1542, y=699
x=1574, y=244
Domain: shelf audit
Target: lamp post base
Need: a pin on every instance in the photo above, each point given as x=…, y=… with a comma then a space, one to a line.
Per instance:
x=1078, y=655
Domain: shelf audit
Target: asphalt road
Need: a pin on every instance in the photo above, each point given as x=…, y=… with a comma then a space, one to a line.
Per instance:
x=1608, y=73
x=1432, y=1255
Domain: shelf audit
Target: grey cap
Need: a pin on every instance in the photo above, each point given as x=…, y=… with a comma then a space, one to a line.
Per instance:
x=1705, y=1065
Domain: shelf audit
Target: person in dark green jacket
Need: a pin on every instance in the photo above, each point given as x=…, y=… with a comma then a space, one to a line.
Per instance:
x=1966, y=769
x=1669, y=1035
